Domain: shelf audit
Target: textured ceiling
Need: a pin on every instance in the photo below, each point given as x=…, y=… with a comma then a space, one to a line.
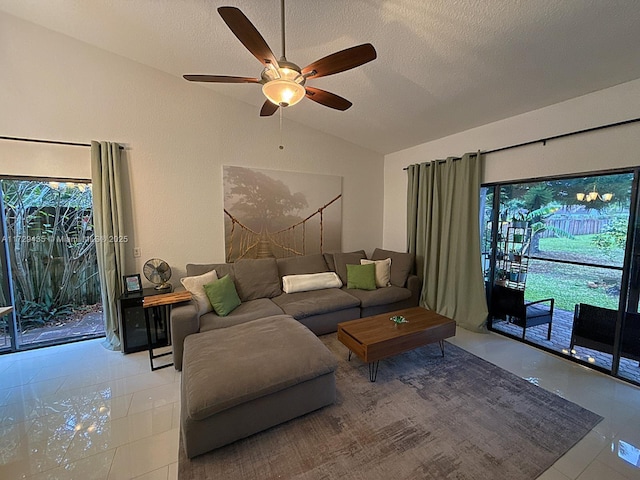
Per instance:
x=443, y=66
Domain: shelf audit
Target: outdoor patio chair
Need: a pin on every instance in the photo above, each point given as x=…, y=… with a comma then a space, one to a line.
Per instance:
x=595, y=328
x=508, y=304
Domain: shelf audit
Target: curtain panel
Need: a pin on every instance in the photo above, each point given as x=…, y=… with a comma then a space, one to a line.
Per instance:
x=109, y=232
x=443, y=231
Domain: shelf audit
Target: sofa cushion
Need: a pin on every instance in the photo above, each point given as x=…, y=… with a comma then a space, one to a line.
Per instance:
x=328, y=257
x=311, y=281
x=302, y=265
x=383, y=271
x=222, y=295
x=256, y=278
x=195, y=284
x=380, y=296
x=265, y=356
x=245, y=312
x=342, y=259
x=306, y=304
x=401, y=264
x=361, y=276
x=221, y=268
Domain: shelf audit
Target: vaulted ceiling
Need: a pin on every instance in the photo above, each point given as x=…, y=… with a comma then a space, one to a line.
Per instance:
x=443, y=66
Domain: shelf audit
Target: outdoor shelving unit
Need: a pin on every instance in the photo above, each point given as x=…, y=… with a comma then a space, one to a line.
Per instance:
x=515, y=257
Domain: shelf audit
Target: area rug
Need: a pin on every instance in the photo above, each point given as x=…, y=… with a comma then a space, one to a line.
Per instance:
x=426, y=417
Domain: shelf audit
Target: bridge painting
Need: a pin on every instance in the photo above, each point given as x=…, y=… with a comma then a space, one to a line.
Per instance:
x=270, y=213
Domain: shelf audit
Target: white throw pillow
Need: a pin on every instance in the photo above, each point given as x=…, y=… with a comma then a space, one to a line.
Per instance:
x=311, y=281
x=196, y=286
x=383, y=271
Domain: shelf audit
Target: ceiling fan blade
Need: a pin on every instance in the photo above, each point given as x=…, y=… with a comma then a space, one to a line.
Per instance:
x=341, y=61
x=220, y=79
x=268, y=109
x=247, y=34
x=327, y=99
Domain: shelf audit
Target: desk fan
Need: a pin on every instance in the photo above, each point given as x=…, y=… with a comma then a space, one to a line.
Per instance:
x=158, y=272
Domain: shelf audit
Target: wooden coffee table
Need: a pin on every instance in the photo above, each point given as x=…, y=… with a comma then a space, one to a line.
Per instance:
x=375, y=338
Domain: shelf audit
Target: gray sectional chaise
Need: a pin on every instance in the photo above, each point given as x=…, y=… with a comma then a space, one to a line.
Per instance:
x=275, y=369
x=259, y=286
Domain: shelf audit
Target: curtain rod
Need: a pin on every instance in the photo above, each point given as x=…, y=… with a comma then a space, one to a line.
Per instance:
x=562, y=135
x=51, y=142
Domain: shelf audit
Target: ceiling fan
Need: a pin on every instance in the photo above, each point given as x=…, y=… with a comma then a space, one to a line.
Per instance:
x=283, y=82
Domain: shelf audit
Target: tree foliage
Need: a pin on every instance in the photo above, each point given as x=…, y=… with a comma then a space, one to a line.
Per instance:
x=51, y=249
x=613, y=236
x=257, y=199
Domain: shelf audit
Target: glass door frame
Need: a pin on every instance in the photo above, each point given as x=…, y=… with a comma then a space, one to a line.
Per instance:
x=18, y=346
x=629, y=293
x=7, y=285
x=631, y=263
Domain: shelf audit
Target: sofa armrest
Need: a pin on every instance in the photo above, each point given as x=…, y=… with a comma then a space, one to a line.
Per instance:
x=414, y=284
x=185, y=320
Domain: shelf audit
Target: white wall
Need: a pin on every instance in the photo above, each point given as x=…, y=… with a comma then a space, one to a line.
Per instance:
x=177, y=136
x=600, y=150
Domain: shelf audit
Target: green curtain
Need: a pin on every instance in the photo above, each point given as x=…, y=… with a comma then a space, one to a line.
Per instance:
x=109, y=231
x=443, y=231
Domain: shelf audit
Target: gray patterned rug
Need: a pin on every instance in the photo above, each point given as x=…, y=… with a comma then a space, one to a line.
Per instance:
x=426, y=417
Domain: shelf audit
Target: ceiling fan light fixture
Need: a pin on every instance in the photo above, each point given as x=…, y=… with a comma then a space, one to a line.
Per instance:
x=283, y=81
x=283, y=92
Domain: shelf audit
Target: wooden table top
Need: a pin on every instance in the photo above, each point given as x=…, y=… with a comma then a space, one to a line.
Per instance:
x=370, y=330
x=166, y=299
x=377, y=337
x=5, y=311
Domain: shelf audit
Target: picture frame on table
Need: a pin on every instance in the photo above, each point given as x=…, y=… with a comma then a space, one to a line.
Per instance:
x=132, y=283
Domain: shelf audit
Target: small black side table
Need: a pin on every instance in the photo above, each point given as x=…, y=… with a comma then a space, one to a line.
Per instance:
x=133, y=329
x=160, y=306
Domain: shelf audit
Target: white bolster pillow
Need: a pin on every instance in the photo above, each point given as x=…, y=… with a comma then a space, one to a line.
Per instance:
x=312, y=281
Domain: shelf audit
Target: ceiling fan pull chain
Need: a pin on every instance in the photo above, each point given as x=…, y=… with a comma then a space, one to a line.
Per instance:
x=281, y=146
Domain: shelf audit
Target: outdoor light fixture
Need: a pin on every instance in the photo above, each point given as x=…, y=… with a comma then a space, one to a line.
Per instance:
x=286, y=84
x=594, y=195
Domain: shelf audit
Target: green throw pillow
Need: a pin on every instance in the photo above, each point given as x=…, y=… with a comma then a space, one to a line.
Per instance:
x=362, y=277
x=223, y=295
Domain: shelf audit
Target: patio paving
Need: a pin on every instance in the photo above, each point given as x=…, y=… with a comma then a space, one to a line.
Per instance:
x=561, y=339
x=88, y=326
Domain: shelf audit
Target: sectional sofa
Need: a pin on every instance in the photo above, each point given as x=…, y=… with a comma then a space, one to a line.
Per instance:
x=259, y=284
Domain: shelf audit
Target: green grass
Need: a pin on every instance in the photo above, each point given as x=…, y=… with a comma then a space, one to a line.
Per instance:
x=567, y=291
x=569, y=284
x=580, y=248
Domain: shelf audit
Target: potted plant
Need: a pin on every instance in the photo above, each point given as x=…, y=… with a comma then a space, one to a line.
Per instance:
x=519, y=219
x=513, y=276
x=516, y=275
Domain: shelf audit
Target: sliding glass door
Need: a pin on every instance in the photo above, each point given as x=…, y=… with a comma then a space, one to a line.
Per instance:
x=628, y=326
x=49, y=263
x=569, y=245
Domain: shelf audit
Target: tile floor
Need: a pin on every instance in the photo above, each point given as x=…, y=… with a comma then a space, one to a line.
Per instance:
x=81, y=412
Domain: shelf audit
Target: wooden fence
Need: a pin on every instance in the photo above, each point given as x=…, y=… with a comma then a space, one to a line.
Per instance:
x=582, y=226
